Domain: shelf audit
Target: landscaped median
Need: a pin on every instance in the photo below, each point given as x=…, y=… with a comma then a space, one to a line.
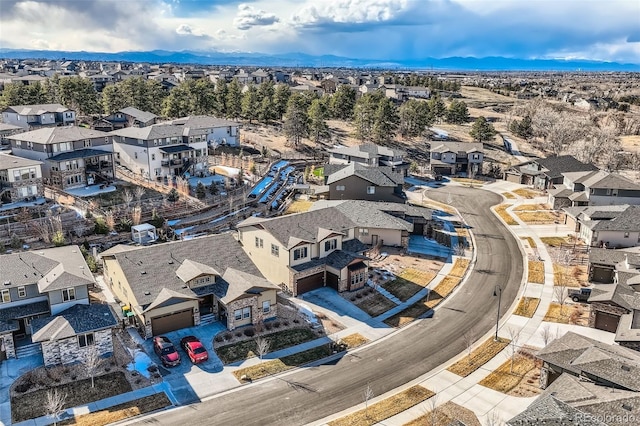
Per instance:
x=536, y=272
x=123, y=411
x=567, y=314
x=527, y=193
x=537, y=214
x=269, y=368
x=433, y=298
x=248, y=348
x=501, y=210
x=380, y=411
x=517, y=378
x=479, y=357
x=527, y=307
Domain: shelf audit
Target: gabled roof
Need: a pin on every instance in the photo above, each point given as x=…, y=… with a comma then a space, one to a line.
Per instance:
x=14, y=162
x=611, y=181
x=155, y=131
x=191, y=269
x=367, y=151
x=550, y=411
x=142, y=116
x=379, y=176
x=628, y=220
x=193, y=123
x=79, y=153
x=168, y=297
x=557, y=165
x=49, y=135
x=240, y=284
x=449, y=146
x=73, y=321
x=611, y=257
x=37, y=109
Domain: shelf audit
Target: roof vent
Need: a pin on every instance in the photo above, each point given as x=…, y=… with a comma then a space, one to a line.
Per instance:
x=7, y=282
x=184, y=286
x=627, y=407
x=171, y=262
x=626, y=367
x=143, y=272
x=146, y=293
x=74, y=251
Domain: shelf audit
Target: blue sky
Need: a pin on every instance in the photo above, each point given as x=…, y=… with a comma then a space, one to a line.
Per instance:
x=369, y=29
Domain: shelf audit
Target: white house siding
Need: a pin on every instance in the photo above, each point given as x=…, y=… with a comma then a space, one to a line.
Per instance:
x=67, y=351
x=603, y=200
x=615, y=239
x=228, y=135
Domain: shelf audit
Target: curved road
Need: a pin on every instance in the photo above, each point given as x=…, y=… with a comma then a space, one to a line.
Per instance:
x=313, y=393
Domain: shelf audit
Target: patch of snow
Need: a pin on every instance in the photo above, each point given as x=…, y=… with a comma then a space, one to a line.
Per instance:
x=141, y=362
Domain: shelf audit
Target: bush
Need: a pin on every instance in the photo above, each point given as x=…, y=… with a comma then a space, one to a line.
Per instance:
x=23, y=387
x=359, y=295
x=219, y=338
x=352, y=298
x=268, y=326
x=276, y=324
x=238, y=333
x=249, y=332
x=101, y=227
x=285, y=323
x=296, y=321
x=227, y=336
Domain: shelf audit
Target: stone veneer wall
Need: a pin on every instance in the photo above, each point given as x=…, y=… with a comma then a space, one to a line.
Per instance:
x=293, y=276
x=67, y=351
x=9, y=346
x=15, y=186
x=239, y=304
x=604, y=307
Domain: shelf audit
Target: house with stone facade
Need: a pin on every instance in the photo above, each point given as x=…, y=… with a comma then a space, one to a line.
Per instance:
x=449, y=158
x=20, y=179
x=357, y=182
x=37, y=284
x=594, y=188
x=325, y=247
x=544, y=173
x=181, y=284
x=71, y=156
x=69, y=336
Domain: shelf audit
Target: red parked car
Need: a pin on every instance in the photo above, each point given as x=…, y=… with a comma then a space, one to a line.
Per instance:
x=166, y=351
x=194, y=349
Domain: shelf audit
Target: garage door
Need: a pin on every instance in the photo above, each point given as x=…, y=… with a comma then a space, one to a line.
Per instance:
x=607, y=322
x=602, y=275
x=309, y=283
x=172, y=322
x=332, y=281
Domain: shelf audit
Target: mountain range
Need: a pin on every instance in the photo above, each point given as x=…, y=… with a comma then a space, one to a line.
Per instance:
x=495, y=63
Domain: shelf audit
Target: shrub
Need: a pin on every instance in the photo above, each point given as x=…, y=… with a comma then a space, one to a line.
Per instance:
x=285, y=323
x=238, y=333
x=359, y=295
x=296, y=321
x=249, y=332
x=276, y=324
x=218, y=339
x=268, y=326
x=101, y=227
x=353, y=298
x=227, y=336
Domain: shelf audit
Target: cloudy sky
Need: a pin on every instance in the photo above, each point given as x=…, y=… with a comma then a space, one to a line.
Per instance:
x=367, y=29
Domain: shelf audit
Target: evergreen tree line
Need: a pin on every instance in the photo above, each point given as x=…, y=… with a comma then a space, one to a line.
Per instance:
x=432, y=82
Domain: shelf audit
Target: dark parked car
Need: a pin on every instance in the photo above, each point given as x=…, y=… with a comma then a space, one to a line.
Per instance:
x=580, y=295
x=194, y=349
x=166, y=351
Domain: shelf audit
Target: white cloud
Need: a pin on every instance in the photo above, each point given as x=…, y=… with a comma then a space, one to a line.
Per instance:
x=348, y=11
x=249, y=17
x=186, y=29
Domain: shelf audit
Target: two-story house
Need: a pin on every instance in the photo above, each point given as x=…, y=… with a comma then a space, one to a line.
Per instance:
x=370, y=155
x=131, y=117
x=544, y=173
x=186, y=283
x=449, y=158
x=20, y=178
x=325, y=247
x=41, y=286
x=159, y=151
x=212, y=130
x=8, y=130
x=72, y=156
x=36, y=116
x=593, y=188
x=358, y=182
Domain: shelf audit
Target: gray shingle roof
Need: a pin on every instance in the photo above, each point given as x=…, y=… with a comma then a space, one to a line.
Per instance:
x=555, y=166
x=614, y=181
x=450, y=146
x=379, y=176
x=23, y=311
x=156, y=131
x=79, y=153
x=369, y=150
x=611, y=257
x=50, y=135
x=37, y=109
x=151, y=269
x=13, y=162
x=142, y=116
x=550, y=411
x=628, y=220
x=240, y=284
x=195, y=123
x=75, y=320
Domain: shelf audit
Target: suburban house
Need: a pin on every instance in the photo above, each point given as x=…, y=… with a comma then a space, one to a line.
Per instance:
x=159, y=151
x=370, y=155
x=181, y=284
x=72, y=156
x=594, y=188
x=582, y=219
x=214, y=131
x=614, y=226
x=357, y=182
x=37, y=284
x=544, y=173
x=8, y=130
x=35, y=116
x=449, y=158
x=325, y=247
x=602, y=263
x=68, y=337
x=131, y=117
x=20, y=179
x=586, y=382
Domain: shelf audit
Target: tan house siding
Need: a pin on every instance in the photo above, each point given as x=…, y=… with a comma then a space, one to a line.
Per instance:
x=391, y=237
x=275, y=269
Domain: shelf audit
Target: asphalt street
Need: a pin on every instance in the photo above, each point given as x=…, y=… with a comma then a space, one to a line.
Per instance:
x=313, y=393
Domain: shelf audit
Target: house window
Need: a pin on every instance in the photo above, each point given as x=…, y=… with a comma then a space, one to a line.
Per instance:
x=626, y=235
x=68, y=294
x=237, y=314
x=6, y=296
x=266, y=307
x=330, y=245
x=260, y=243
x=300, y=253
x=339, y=187
x=364, y=231
x=22, y=291
x=246, y=312
x=371, y=189
x=85, y=340
x=87, y=143
x=275, y=250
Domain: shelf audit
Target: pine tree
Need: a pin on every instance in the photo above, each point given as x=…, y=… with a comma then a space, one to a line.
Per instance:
x=265, y=99
x=296, y=121
x=221, y=97
x=482, y=130
x=437, y=108
x=250, y=104
x=386, y=121
x=113, y=99
x=234, y=100
x=457, y=113
x=364, y=116
x=415, y=117
x=343, y=102
x=201, y=191
x=280, y=99
x=318, y=127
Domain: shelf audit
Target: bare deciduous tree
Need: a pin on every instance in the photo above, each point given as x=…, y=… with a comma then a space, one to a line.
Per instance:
x=546, y=334
x=92, y=362
x=560, y=292
x=54, y=404
x=138, y=193
x=136, y=215
x=110, y=220
x=367, y=396
x=468, y=343
x=432, y=403
x=493, y=419
x=514, y=335
x=127, y=197
x=262, y=346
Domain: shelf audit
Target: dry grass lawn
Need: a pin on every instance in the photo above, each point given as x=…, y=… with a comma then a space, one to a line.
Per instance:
x=567, y=314
x=527, y=193
x=435, y=205
x=354, y=340
x=505, y=379
x=527, y=306
x=501, y=210
x=416, y=276
x=459, y=268
x=541, y=217
x=299, y=206
x=554, y=241
x=445, y=415
x=508, y=195
x=571, y=276
x=468, y=182
x=531, y=207
x=121, y=411
x=375, y=304
x=478, y=357
x=536, y=272
x=531, y=241
x=384, y=409
x=401, y=288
